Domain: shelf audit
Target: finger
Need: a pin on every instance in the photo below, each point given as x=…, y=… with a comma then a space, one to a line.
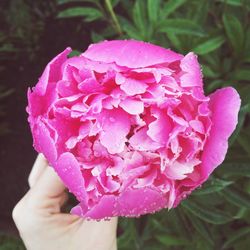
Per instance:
x=49, y=184
x=37, y=170
x=48, y=192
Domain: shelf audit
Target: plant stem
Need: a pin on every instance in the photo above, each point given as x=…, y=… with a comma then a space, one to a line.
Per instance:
x=113, y=16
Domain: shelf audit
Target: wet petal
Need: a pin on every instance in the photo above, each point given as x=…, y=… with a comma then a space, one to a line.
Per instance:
x=132, y=106
x=116, y=126
x=225, y=105
x=141, y=141
x=43, y=142
x=192, y=73
x=130, y=53
x=159, y=129
x=197, y=126
x=106, y=208
x=52, y=72
x=69, y=171
x=135, y=202
x=132, y=86
x=179, y=171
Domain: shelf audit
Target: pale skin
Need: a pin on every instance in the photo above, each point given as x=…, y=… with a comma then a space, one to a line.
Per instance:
x=42, y=225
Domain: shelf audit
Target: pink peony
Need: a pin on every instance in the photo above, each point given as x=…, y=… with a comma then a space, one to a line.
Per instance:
x=127, y=127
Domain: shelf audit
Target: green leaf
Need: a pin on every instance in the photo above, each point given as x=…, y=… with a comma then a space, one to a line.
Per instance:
x=247, y=46
x=212, y=186
x=237, y=197
x=114, y=2
x=171, y=6
x=234, y=169
x=237, y=236
x=233, y=2
x=170, y=240
x=74, y=53
x=153, y=10
x=207, y=214
x=174, y=39
x=201, y=11
x=71, y=1
x=130, y=29
x=241, y=75
x=209, y=72
x=241, y=119
x=244, y=139
x=244, y=92
x=209, y=45
x=96, y=37
x=113, y=16
x=234, y=32
x=9, y=242
x=127, y=237
x=213, y=85
x=201, y=228
x=8, y=48
x=181, y=26
x=90, y=14
x=139, y=16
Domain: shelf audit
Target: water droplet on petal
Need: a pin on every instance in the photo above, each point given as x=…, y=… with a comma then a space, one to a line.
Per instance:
x=112, y=119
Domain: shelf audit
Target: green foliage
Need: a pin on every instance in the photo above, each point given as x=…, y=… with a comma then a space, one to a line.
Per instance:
x=10, y=243
x=216, y=216
x=90, y=14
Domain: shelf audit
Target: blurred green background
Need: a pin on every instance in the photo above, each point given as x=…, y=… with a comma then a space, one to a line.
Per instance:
x=217, y=216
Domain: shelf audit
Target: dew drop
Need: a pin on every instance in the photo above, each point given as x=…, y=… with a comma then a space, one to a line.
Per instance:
x=97, y=154
x=112, y=119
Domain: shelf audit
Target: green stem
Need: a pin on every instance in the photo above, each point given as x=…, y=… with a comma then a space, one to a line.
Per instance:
x=113, y=16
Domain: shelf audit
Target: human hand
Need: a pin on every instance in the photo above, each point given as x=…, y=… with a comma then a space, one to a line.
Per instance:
x=42, y=225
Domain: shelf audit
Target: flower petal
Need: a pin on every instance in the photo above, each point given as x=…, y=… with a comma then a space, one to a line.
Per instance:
x=160, y=128
x=132, y=86
x=142, y=142
x=225, y=105
x=135, y=202
x=43, y=141
x=52, y=72
x=192, y=73
x=132, y=106
x=116, y=126
x=130, y=53
x=69, y=171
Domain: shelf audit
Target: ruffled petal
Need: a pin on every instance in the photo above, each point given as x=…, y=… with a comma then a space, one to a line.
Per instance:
x=43, y=142
x=132, y=87
x=225, y=105
x=132, y=106
x=116, y=126
x=130, y=53
x=135, y=202
x=142, y=142
x=192, y=73
x=69, y=171
x=159, y=129
x=52, y=72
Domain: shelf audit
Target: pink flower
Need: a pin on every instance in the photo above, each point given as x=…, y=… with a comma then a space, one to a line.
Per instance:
x=127, y=127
